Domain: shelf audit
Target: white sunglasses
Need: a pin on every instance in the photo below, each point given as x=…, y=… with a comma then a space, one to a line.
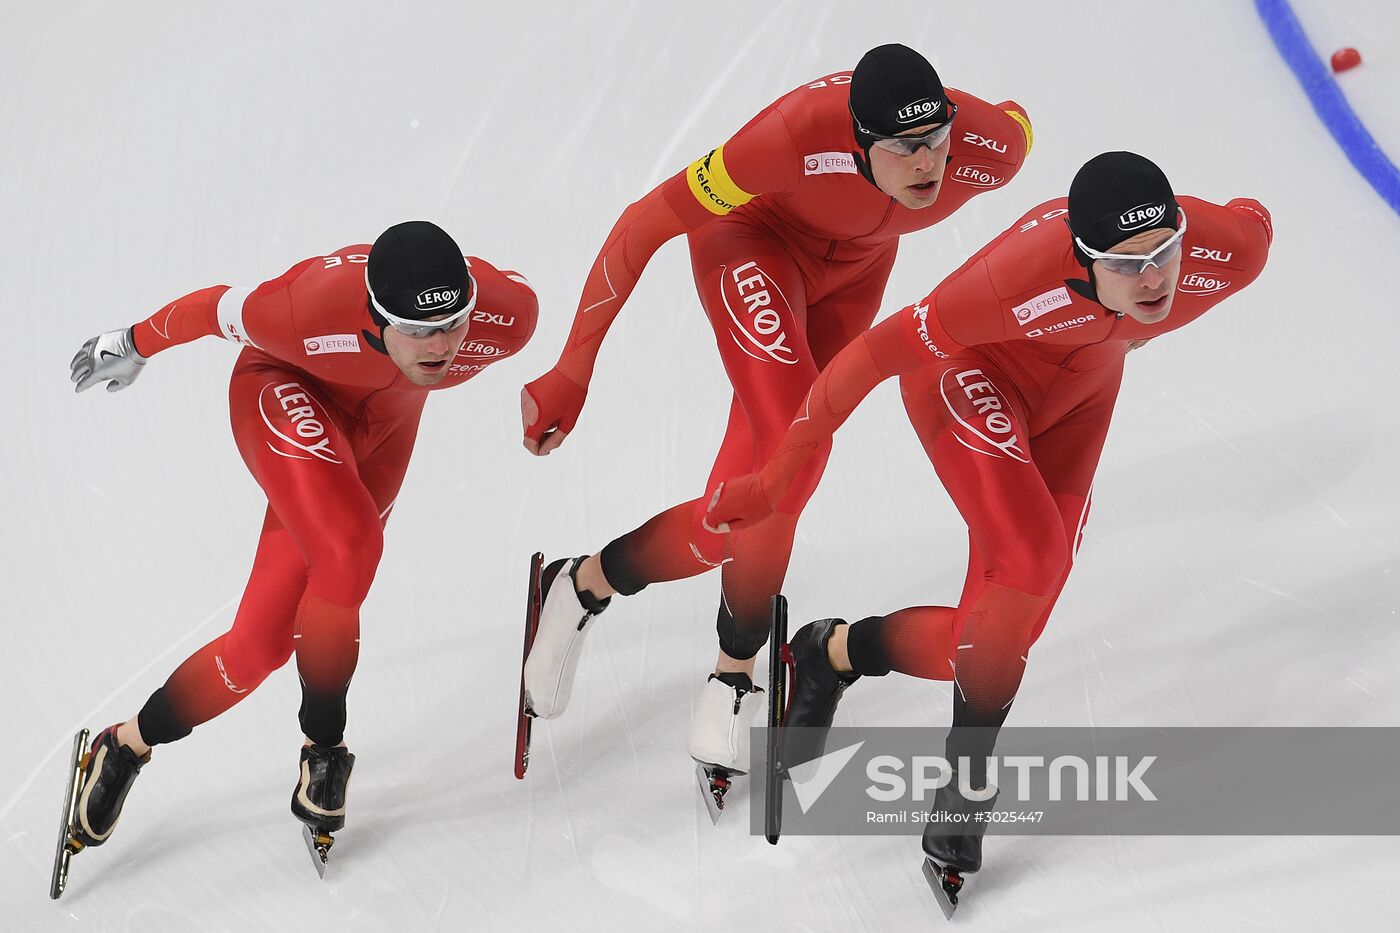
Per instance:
x=412, y=328
x=1125, y=264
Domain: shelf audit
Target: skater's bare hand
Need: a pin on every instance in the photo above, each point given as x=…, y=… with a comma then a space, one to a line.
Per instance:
x=549, y=408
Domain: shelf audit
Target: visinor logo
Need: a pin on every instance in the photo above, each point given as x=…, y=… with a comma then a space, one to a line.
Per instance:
x=761, y=329
x=1144, y=215
x=437, y=299
x=1195, y=283
x=978, y=176
x=917, y=111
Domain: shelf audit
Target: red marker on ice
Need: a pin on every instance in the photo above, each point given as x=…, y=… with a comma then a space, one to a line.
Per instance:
x=1345, y=59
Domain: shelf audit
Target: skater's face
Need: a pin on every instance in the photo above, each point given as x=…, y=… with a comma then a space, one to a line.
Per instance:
x=913, y=180
x=1144, y=296
x=424, y=361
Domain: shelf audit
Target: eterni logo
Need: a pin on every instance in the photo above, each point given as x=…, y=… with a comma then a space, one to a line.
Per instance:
x=829, y=163
x=1041, y=304
x=331, y=343
x=1144, y=215
x=437, y=299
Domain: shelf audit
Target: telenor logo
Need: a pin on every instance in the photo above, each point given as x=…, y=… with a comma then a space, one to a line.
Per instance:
x=915, y=112
x=437, y=299
x=1144, y=215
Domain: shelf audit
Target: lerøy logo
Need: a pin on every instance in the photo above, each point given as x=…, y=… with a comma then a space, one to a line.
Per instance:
x=481, y=350
x=301, y=416
x=978, y=176
x=917, y=111
x=1195, y=283
x=829, y=163
x=440, y=298
x=977, y=405
x=1041, y=304
x=762, y=330
x=331, y=343
x=1144, y=215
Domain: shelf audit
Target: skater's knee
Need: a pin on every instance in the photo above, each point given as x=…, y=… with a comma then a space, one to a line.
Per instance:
x=342, y=566
x=1034, y=562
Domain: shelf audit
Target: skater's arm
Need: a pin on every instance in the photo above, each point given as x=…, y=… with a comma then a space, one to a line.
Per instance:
x=901, y=343
x=759, y=159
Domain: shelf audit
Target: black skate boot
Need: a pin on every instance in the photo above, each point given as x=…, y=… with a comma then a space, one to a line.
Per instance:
x=109, y=769
x=953, y=841
x=319, y=798
x=816, y=691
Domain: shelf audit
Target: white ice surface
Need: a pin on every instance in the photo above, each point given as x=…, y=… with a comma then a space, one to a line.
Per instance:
x=1240, y=566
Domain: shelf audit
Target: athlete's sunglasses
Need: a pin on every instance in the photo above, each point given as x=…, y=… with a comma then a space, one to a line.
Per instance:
x=1125, y=264
x=908, y=145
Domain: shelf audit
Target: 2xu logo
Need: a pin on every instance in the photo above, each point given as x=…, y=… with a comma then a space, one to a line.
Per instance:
x=984, y=142
x=300, y=425
x=983, y=413
x=1212, y=255
x=1196, y=283
x=978, y=176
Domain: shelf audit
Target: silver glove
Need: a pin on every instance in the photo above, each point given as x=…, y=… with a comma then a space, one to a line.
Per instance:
x=111, y=356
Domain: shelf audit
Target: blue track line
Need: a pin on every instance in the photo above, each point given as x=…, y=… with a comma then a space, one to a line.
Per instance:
x=1329, y=101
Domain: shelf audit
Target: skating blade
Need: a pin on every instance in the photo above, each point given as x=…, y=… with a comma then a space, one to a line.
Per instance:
x=67, y=846
x=712, y=789
x=319, y=845
x=945, y=885
x=523, y=721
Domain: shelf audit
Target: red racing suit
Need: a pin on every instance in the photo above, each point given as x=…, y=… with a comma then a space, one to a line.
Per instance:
x=325, y=422
x=1010, y=369
x=791, y=247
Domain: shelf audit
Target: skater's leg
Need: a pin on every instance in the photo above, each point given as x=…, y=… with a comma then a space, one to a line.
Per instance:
x=321, y=500
x=231, y=666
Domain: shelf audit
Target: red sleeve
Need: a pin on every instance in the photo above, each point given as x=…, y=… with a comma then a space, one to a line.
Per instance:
x=759, y=159
x=249, y=316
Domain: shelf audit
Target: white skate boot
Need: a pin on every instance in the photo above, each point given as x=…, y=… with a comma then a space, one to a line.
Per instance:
x=719, y=734
x=564, y=623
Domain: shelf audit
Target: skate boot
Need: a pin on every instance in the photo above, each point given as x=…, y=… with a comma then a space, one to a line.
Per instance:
x=719, y=730
x=953, y=840
x=319, y=798
x=566, y=617
x=108, y=771
x=816, y=691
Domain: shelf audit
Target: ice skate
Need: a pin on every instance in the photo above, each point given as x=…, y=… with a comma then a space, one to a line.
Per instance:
x=953, y=840
x=719, y=734
x=100, y=776
x=319, y=798
x=564, y=623
x=816, y=692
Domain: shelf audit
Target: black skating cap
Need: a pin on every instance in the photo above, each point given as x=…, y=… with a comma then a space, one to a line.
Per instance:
x=416, y=271
x=894, y=89
x=1117, y=195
